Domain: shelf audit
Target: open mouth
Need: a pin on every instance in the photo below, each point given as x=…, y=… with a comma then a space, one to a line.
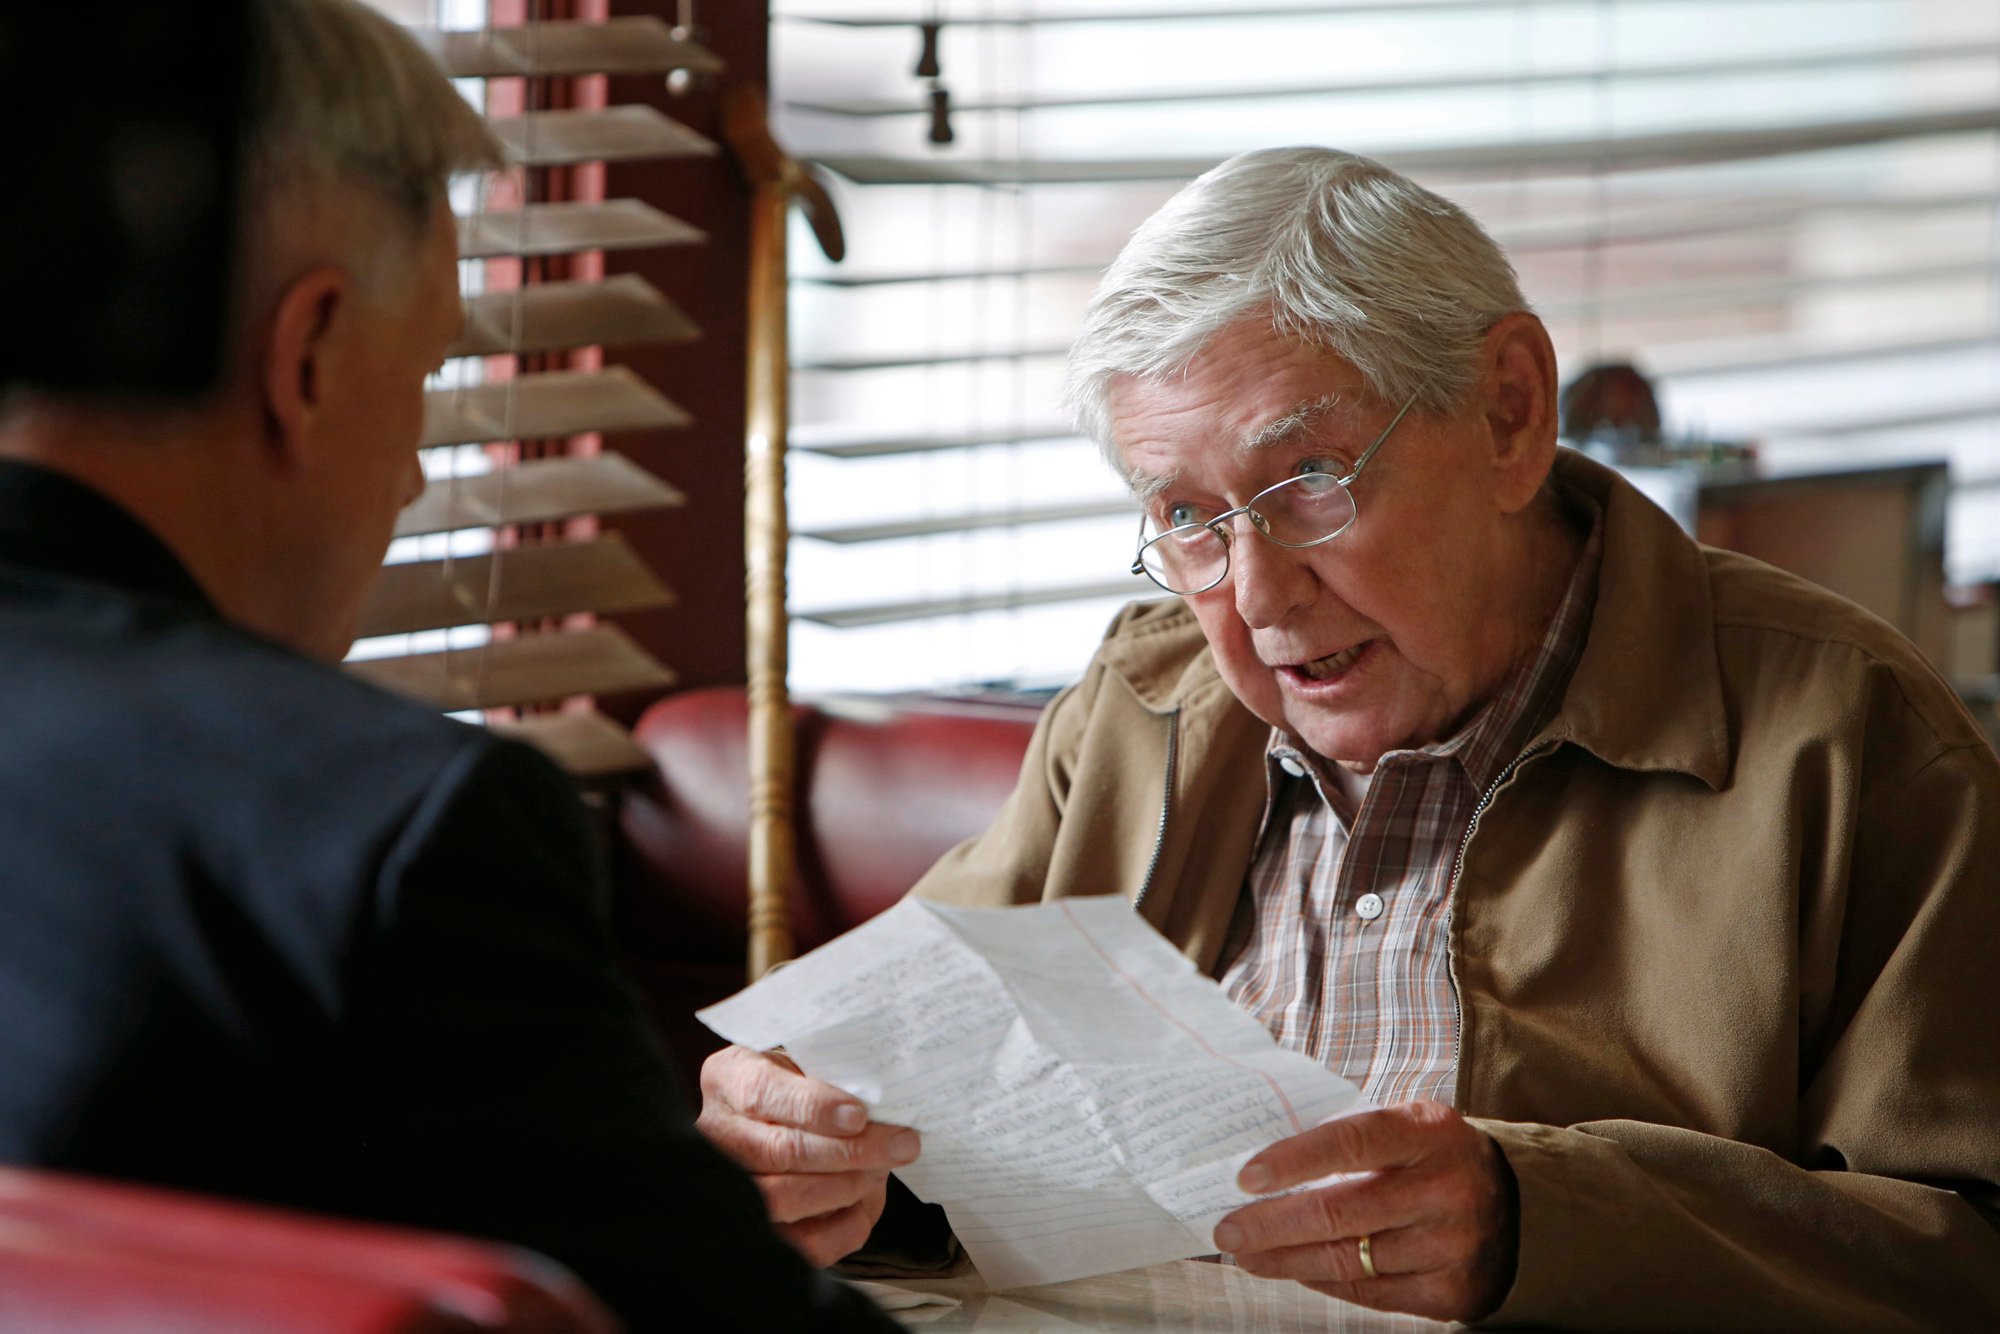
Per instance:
x=1332, y=666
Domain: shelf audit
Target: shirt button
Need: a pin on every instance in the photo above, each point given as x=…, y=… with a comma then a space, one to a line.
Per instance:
x=1369, y=906
x=1291, y=765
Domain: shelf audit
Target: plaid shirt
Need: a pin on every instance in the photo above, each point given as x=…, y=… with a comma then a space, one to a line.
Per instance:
x=1340, y=942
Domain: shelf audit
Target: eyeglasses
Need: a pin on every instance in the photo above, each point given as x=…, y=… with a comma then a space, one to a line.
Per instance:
x=1299, y=512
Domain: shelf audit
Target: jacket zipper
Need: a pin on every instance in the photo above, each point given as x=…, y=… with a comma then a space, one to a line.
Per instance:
x=1451, y=903
x=1166, y=806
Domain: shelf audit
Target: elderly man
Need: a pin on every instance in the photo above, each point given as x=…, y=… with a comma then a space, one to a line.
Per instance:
x=270, y=932
x=1645, y=889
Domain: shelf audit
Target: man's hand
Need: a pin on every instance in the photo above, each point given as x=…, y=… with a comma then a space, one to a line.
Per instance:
x=822, y=1164
x=1437, y=1206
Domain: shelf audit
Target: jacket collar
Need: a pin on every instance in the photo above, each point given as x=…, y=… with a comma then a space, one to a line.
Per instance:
x=1646, y=693
x=53, y=523
x=1160, y=654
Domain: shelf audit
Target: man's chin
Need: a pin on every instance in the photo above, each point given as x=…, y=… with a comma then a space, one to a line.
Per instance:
x=1354, y=743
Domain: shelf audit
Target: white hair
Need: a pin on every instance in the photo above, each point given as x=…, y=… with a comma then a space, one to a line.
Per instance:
x=344, y=99
x=1337, y=251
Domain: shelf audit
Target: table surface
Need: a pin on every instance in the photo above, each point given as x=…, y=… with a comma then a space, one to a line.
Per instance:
x=1185, y=1295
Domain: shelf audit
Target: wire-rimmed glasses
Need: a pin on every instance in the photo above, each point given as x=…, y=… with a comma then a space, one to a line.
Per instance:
x=1301, y=511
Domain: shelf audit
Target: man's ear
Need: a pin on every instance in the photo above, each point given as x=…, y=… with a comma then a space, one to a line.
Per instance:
x=1520, y=407
x=296, y=355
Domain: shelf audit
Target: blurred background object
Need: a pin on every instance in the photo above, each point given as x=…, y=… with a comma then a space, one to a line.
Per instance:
x=1611, y=411
x=1613, y=402
x=119, y=224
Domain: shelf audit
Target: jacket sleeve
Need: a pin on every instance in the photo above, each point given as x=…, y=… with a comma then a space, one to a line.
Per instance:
x=511, y=1087
x=1884, y=1217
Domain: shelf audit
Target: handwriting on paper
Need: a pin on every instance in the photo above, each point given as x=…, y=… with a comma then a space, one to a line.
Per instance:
x=1085, y=1096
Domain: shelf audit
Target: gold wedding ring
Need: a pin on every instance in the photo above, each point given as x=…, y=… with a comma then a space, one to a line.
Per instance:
x=1367, y=1260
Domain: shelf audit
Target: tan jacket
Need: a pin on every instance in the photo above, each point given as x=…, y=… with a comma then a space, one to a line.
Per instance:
x=1724, y=936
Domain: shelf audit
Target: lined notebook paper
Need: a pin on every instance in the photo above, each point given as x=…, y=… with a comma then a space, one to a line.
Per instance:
x=1085, y=1096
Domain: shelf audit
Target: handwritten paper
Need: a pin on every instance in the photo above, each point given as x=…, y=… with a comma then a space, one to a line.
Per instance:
x=1085, y=1096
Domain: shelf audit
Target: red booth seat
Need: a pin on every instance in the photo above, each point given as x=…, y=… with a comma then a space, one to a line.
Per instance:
x=78, y=1254
x=883, y=789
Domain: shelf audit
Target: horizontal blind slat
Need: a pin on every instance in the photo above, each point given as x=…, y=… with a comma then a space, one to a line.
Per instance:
x=887, y=613
x=537, y=491
x=1551, y=156
x=1872, y=424
x=618, y=134
x=560, y=229
x=883, y=446
x=533, y=669
x=620, y=311
x=1785, y=352
x=1655, y=223
x=532, y=583
x=1025, y=18
x=547, y=405
x=561, y=49
x=937, y=525
x=1721, y=67
x=587, y=745
x=1613, y=300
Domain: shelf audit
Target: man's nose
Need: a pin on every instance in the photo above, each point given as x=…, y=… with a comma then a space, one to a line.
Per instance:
x=1268, y=580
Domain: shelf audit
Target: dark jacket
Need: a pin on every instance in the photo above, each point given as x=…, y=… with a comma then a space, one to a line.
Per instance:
x=268, y=932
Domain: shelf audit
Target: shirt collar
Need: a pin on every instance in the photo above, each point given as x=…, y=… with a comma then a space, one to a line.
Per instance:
x=1287, y=758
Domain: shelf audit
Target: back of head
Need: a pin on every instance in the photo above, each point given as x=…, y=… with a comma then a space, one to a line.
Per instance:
x=344, y=103
x=278, y=490
x=1337, y=251
x=351, y=133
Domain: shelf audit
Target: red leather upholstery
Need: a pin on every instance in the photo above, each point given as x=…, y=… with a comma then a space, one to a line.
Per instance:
x=882, y=791
x=81, y=1254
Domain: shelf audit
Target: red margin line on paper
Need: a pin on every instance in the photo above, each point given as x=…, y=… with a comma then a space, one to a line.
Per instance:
x=1175, y=1020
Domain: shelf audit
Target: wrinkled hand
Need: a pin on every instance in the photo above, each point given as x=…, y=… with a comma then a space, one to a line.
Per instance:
x=1437, y=1204
x=822, y=1164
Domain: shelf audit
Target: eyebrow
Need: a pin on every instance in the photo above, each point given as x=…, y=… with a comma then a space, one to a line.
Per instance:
x=1278, y=431
x=1283, y=429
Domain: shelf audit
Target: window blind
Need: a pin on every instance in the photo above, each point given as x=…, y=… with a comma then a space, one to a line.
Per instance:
x=1783, y=210
x=489, y=602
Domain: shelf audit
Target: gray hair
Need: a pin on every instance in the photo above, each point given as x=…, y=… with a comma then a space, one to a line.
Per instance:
x=1337, y=251
x=345, y=97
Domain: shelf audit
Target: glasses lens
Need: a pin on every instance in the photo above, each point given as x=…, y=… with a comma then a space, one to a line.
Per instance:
x=1185, y=560
x=1309, y=508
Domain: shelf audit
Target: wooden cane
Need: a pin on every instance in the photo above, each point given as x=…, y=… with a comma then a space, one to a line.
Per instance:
x=777, y=181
